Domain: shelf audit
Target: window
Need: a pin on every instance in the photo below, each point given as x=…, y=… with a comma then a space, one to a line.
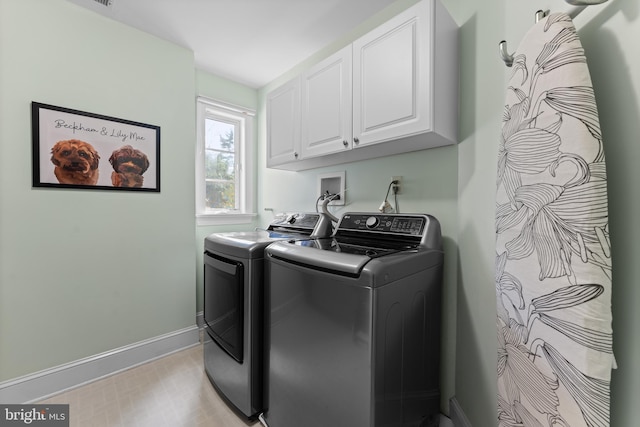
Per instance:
x=224, y=164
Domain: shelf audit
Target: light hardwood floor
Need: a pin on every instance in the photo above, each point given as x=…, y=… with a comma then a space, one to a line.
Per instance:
x=172, y=391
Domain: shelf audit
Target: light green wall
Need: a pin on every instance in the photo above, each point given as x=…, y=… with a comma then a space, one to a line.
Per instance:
x=83, y=272
x=481, y=87
x=609, y=35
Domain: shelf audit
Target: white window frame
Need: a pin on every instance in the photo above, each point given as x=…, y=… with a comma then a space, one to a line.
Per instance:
x=245, y=164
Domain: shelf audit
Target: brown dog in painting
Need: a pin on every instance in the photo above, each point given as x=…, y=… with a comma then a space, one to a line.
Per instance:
x=76, y=162
x=128, y=164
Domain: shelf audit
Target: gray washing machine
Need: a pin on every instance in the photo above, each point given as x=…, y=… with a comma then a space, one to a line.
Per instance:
x=353, y=336
x=233, y=305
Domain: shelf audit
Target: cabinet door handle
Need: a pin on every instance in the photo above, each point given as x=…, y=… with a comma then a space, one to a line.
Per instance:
x=345, y=142
x=295, y=154
x=356, y=140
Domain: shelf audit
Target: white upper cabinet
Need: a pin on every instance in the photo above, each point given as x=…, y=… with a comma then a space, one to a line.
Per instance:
x=326, y=106
x=392, y=91
x=283, y=124
x=391, y=78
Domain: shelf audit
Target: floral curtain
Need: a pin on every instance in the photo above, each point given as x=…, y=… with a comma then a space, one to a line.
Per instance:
x=553, y=257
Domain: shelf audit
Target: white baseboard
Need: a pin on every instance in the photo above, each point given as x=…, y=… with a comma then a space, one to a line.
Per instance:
x=200, y=319
x=457, y=414
x=40, y=385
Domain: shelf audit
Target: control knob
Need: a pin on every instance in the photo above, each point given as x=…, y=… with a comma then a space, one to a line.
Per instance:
x=372, y=222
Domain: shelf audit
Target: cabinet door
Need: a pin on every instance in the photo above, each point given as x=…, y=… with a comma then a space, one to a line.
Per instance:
x=283, y=123
x=326, y=106
x=392, y=78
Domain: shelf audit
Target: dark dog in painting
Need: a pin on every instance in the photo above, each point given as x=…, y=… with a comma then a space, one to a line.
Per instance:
x=128, y=166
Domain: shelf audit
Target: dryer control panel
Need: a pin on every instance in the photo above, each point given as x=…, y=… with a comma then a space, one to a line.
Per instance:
x=316, y=225
x=302, y=220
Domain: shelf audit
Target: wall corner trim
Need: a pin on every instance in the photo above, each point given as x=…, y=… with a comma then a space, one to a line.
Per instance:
x=40, y=385
x=457, y=414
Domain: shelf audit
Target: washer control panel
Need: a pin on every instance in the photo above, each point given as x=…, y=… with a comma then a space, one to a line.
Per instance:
x=392, y=224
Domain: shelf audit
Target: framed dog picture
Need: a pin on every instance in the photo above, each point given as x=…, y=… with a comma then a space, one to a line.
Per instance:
x=75, y=149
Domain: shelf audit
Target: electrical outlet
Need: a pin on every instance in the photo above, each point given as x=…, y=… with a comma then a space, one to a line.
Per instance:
x=397, y=188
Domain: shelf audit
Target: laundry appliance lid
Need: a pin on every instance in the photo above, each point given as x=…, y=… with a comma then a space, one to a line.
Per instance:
x=313, y=254
x=246, y=244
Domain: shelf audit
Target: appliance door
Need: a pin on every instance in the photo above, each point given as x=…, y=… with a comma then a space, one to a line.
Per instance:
x=224, y=303
x=318, y=347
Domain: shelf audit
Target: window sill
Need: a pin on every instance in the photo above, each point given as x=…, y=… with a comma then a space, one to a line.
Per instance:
x=224, y=218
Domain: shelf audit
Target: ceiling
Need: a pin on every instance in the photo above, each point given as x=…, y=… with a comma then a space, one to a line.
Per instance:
x=248, y=41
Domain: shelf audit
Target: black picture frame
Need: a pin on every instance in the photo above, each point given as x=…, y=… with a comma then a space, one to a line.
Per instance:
x=80, y=150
